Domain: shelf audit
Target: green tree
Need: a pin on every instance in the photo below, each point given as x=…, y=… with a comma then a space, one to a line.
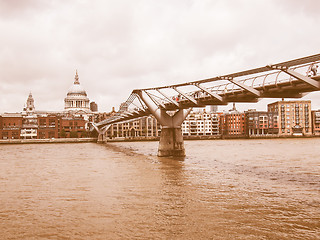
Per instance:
x=73, y=134
x=63, y=133
x=84, y=134
x=93, y=134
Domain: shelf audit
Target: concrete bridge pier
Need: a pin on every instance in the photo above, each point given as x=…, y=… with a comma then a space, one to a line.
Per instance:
x=171, y=140
x=101, y=138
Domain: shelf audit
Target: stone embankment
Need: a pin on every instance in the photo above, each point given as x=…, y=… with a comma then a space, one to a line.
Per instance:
x=134, y=139
x=51, y=140
x=204, y=137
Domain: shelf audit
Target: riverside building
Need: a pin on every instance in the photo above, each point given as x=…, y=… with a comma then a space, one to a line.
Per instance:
x=316, y=122
x=29, y=129
x=233, y=123
x=10, y=125
x=32, y=124
x=261, y=123
x=143, y=127
x=294, y=117
x=201, y=124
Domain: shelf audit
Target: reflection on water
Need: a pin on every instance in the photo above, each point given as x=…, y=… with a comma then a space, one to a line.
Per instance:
x=223, y=189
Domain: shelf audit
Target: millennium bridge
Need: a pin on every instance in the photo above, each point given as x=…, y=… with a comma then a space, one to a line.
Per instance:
x=171, y=104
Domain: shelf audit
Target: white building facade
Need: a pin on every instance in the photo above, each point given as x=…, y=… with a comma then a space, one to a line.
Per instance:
x=201, y=123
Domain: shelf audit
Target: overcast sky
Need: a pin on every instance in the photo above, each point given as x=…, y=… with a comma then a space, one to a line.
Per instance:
x=119, y=45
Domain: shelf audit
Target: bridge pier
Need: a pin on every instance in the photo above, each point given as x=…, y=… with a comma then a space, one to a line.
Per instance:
x=101, y=138
x=171, y=142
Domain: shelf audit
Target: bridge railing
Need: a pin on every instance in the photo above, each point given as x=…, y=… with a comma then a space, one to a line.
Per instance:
x=258, y=81
x=242, y=86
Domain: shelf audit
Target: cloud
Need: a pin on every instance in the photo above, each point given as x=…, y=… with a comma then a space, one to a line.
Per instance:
x=121, y=45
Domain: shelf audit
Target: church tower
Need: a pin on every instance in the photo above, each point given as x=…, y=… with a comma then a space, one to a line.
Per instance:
x=30, y=103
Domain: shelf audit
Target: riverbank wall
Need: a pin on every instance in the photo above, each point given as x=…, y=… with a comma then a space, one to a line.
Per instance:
x=138, y=139
x=53, y=140
x=204, y=137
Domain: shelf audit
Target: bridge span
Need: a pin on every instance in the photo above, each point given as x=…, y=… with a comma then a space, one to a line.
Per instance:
x=171, y=104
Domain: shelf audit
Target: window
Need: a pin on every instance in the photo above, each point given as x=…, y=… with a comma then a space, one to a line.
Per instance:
x=5, y=135
x=52, y=122
x=42, y=122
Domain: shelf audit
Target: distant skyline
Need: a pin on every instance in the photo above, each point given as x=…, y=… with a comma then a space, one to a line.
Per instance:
x=119, y=45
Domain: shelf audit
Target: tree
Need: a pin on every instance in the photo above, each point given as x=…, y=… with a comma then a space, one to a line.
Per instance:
x=84, y=134
x=63, y=133
x=73, y=134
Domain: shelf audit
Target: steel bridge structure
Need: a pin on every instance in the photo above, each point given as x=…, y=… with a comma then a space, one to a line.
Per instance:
x=171, y=104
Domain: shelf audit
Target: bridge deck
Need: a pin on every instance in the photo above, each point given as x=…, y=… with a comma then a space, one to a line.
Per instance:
x=290, y=79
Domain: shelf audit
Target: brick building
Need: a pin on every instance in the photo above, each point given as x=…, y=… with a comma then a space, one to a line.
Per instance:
x=233, y=124
x=19, y=126
x=261, y=123
x=74, y=127
x=48, y=126
x=294, y=117
x=10, y=125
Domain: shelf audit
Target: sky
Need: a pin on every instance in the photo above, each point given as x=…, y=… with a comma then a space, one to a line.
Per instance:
x=120, y=45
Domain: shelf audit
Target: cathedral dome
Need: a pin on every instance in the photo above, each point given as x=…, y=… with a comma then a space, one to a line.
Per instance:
x=76, y=89
x=77, y=99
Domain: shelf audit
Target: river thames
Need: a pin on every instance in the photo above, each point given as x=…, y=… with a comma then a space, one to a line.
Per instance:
x=223, y=189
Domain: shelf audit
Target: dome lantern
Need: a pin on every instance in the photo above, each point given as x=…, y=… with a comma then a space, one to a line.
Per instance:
x=76, y=78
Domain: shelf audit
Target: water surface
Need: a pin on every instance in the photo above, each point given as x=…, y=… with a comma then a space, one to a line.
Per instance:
x=223, y=189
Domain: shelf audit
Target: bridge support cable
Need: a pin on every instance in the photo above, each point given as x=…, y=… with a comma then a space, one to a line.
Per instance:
x=297, y=75
x=191, y=99
x=168, y=98
x=171, y=140
x=141, y=107
x=154, y=100
x=214, y=95
x=128, y=114
x=243, y=86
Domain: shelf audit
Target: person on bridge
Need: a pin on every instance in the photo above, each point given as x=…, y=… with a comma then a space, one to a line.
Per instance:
x=314, y=69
